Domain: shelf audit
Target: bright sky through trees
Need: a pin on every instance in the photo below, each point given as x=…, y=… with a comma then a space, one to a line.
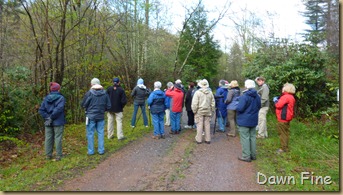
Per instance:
x=283, y=18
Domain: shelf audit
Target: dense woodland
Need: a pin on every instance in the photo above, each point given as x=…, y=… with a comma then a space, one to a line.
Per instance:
x=72, y=41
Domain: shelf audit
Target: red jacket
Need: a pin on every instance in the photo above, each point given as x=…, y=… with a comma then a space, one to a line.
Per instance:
x=285, y=107
x=177, y=99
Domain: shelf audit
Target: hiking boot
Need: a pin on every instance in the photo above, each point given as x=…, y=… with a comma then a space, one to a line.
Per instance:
x=163, y=136
x=253, y=157
x=198, y=142
x=260, y=137
x=48, y=157
x=123, y=138
x=208, y=142
x=155, y=137
x=188, y=127
x=244, y=159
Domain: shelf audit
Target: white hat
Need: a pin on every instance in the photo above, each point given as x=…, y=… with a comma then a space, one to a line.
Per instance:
x=96, y=86
x=249, y=84
x=95, y=81
x=203, y=83
x=178, y=81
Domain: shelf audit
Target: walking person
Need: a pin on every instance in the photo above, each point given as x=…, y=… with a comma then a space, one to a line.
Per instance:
x=284, y=108
x=247, y=118
x=96, y=103
x=157, y=104
x=232, y=102
x=52, y=110
x=188, y=105
x=139, y=93
x=118, y=101
x=221, y=111
x=168, y=104
x=176, y=93
x=262, y=115
x=203, y=105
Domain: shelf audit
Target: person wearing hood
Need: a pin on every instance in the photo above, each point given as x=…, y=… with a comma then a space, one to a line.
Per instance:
x=203, y=105
x=118, y=101
x=96, y=104
x=176, y=94
x=158, y=104
x=221, y=112
x=247, y=118
x=52, y=110
x=139, y=93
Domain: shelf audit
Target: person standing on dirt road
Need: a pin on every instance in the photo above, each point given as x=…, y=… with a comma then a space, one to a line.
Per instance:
x=247, y=118
x=188, y=105
x=168, y=100
x=203, y=105
x=52, y=110
x=118, y=101
x=176, y=93
x=157, y=103
x=139, y=93
x=95, y=104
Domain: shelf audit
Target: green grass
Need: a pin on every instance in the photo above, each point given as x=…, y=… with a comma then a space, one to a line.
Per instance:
x=31, y=172
x=312, y=150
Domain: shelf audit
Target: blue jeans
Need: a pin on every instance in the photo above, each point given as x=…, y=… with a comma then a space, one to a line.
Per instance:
x=175, y=118
x=99, y=127
x=221, y=123
x=135, y=110
x=158, y=122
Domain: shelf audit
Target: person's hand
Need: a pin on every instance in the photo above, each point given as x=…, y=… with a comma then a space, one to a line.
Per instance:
x=275, y=99
x=48, y=122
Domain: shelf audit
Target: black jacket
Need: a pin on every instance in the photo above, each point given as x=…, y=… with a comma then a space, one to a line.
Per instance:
x=117, y=97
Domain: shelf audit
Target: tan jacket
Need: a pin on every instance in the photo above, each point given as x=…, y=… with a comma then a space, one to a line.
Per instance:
x=203, y=102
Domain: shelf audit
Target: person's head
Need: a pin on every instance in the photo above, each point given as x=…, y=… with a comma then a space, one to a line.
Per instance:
x=157, y=85
x=203, y=83
x=178, y=85
x=222, y=83
x=260, y=80
x=170, y=84
x=191, y=84
x=55, y=86
x=116, y=81
x=95, y=81
x=178, y=81
x=140, y=81
x=233, y=84
x=249, y=84
x=289, y=88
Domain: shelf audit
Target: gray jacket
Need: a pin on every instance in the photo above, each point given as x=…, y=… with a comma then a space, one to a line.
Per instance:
x=264, y=94
x=96, y=103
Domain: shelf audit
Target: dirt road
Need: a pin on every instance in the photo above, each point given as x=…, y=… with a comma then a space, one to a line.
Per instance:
x=176, y=163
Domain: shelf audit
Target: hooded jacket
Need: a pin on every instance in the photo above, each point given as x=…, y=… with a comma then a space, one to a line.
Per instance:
x=96, y=104
x=140, y=93
x=117, y=97
x=285, y=107
x=203, y=102
x=53, y=107
x=232, y=98
x=177, y=99
x=157, y=101
x=220, y=102
x=248, y=107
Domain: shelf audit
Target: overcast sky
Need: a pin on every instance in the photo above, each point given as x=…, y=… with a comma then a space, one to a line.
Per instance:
x=287, y=21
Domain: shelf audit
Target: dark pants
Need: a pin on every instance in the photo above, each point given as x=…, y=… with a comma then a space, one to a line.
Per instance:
x=190, y=115
x=283, y=131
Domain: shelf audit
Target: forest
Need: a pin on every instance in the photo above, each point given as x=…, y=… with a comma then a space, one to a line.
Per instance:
x=73, y=41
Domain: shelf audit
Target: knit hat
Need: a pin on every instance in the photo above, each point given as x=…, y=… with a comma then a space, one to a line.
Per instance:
x=54, y=86
x=178, y=81
x=95, y=81
x=249, y=84
x=140, y=82
x=157, y=85
x=116, y=80
x=222, y=83
x=203, y=83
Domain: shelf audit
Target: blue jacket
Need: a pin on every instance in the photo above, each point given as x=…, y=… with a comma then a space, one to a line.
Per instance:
x=96, y=104
x=53, y=107
x=168, y=102
x=247, y=109
x=157, y=101
x=220, y=102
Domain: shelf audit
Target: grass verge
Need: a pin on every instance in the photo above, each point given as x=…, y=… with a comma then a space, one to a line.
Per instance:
x=313, y=156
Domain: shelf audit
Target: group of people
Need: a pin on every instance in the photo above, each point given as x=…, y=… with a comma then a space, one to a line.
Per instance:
x=245, y=109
